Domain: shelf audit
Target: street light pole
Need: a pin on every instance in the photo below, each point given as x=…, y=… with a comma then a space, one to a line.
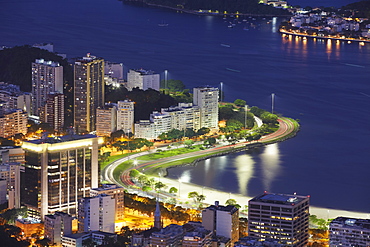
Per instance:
x=165, y=79
x=272, y=102
x=246, y=113
x=222, y=91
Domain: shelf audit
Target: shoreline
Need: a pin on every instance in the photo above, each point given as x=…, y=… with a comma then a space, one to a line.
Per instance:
x=322, y=37
x=196, y=12
x=213, y=195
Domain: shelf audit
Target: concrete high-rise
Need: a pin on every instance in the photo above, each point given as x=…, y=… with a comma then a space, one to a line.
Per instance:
x=125, y=116
x=47, y=77
x=118, y=194
x=280, y=217
x=206, y=98
x=56, y=225
x=106, y=119
x=348, y=232
x=53, y=111
x=96, y=214
x=58, y=172
x=222, y=221
x=88, y=92
x=142, y=79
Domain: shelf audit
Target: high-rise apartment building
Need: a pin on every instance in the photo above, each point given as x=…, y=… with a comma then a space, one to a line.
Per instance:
x=59, y=172
x=13, y=122
x=47, y=77
x=222, y=221
x=280, y=217
x=348, y=232
x=56, y=225
x=206, y=98
x=125, y=116
x=114, y=70
x=106, y=119
x=96, y=214
x=142, y=79
x=183, y=116
x=53, y=111
x=161, y=123
x=88, y=92
x=117, y=193
x=11, y=173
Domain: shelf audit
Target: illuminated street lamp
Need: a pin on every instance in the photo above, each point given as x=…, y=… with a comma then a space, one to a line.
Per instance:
x=272, y=102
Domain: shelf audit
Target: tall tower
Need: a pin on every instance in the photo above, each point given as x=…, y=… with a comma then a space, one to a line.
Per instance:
x=58, y=172
x=222, y=221
x=207, y=100
x=47, y=77
x=53, y=111
x=280, y=217
x=157, y=217
x=96, y=213
x=125, y=116
x=88, y=92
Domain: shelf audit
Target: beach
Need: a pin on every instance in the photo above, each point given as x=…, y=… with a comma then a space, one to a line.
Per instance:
x=213, y=195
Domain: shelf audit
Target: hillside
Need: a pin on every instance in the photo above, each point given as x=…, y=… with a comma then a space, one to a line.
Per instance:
x=250, y=7
x=359, y=9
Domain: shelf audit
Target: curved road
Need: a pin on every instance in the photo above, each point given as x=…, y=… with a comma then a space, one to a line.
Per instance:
x=286, y=127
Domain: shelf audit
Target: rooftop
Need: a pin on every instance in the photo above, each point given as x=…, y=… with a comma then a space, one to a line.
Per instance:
x=279, y=198
x=61, y=139
x=352, y=222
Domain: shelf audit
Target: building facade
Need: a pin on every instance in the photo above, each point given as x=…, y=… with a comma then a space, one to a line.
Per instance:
x=56, y=225
x=125, y=116
x=206, y=98
x=53, y=111
x=279, y=217
x=106, y=119
x=117, y=193
x=13, y=122
x=89, y=92
x=348, y=232
x=171, y=235
x=222, y=221
x=11, y=173
x=59, y=172
x=47, y=77
x=96, y=213
x=142, y=79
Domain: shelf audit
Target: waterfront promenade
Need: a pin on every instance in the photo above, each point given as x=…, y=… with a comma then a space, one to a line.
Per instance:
x=323, y=37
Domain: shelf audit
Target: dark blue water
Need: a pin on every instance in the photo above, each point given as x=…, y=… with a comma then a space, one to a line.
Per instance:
x=325, y=85
x=318, y=3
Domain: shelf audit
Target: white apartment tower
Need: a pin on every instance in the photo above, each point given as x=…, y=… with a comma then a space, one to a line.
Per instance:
x=279, y=217
x=56, y=226
x=348, y=232
x=117, y=193
x=142, y=79
x=47, y=77
x=206, y=98
x=96, y=214
x=161, y=123
x=13, y=122
x=222, y=221
x=11, y=172
x=125, y=116
x=53, y=111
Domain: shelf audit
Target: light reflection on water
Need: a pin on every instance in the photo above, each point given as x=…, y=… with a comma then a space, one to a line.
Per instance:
x=245, y=166
x=270, y=162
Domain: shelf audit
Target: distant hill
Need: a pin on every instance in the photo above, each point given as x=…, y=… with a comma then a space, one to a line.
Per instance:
x=16, y=62
x=359, y=9
x=251, y=7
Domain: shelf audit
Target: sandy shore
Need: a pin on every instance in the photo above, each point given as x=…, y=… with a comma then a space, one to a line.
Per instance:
x=213, y=195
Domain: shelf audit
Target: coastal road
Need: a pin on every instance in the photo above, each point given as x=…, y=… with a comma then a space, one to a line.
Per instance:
x=286, y=127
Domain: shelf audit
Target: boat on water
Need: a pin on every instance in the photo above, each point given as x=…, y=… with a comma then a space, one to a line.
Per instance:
x=225, y=45
x=163, y=24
